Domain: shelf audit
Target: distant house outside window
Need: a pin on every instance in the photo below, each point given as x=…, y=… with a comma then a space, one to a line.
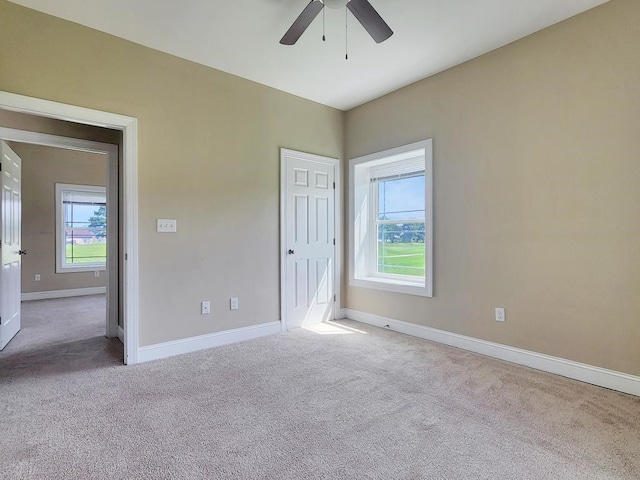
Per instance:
x=81, y=219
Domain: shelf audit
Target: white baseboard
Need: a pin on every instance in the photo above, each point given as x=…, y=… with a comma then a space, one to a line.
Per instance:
x=121, y=334
x=341, y=313
x=193, y=344
x=602, y=377
x=72, y=292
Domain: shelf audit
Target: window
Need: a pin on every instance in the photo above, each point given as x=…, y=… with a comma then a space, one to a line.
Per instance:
x=391, y=220
x=81, y=236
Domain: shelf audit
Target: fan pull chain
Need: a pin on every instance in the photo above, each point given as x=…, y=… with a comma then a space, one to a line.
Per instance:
x=324, y=39
x=346, y=34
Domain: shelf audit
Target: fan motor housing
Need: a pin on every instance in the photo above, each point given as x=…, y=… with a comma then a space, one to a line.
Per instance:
x=335, y=3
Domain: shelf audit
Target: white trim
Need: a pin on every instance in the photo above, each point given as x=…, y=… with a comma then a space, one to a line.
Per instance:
x=130, y=227
x=341, y=314
x=283, y=244
x=364, y=274
x=602, y=377
x=121, y=334
x=338, y=209
x=390, y=285
x=129, y=193
x=201, y=342
x=71, y=292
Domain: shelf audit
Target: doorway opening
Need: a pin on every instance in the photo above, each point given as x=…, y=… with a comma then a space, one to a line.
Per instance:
x=65, y=207
x=121, y=285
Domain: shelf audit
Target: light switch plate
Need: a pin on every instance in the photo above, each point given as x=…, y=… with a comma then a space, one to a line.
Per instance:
x=166, y=225
x=500, y=314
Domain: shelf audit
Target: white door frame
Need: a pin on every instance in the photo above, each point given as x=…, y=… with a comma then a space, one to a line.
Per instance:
x=337, y=283
x=128, y=193
x=36, y=138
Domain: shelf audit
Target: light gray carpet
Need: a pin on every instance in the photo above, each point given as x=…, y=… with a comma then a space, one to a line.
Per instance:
x=366, y=404
x=61, y=335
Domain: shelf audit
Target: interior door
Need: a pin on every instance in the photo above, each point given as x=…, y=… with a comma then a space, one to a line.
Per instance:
x=309, y=231
x=10, y=221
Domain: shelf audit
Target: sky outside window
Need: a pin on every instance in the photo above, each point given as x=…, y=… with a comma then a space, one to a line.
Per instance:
x=401, y=199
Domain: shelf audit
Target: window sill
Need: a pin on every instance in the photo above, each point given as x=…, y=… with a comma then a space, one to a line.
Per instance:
x=392, y=285
x=89, y=268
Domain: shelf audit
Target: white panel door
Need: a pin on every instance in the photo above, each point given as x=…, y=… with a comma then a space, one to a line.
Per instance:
x=309, y=241
x=10, y=213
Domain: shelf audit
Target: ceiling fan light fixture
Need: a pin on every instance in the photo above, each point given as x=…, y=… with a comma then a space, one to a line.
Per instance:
x=361, y=9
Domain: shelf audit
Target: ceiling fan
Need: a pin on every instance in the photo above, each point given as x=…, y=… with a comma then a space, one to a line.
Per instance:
x=361, y=9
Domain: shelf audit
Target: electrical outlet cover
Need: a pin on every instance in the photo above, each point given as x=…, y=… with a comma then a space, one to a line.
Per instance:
x=205, y=308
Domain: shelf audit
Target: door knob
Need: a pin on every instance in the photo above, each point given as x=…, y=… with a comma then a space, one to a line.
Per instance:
x=291, y=252
x=22, y=252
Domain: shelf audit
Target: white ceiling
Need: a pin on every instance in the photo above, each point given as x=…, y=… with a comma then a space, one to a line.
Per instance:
x=242, y=37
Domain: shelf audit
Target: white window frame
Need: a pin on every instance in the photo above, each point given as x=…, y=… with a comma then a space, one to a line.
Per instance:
x=61, y=265
x=362, y=222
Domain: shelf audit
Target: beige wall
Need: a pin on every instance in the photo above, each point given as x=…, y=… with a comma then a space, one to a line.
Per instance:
x=208, y=157
x=537, y=198
x=42, y=168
